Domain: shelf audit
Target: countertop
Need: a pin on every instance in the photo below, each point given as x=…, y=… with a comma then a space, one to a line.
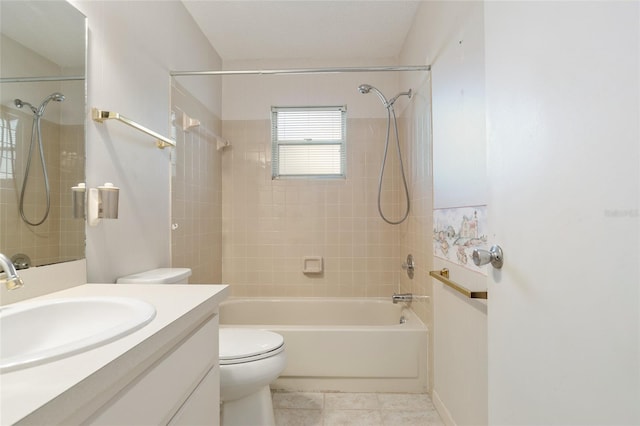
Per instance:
x=70, y=389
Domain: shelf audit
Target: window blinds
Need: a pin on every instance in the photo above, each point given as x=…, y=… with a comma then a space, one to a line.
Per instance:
x=308, y=141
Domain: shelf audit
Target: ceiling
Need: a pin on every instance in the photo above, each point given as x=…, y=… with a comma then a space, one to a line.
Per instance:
x=299, y=29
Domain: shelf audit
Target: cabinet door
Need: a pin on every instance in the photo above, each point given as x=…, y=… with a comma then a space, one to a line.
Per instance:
x=156, y=395
x=203, y=405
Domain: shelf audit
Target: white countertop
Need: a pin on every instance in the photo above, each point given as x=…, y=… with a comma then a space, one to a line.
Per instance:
x=77, y=385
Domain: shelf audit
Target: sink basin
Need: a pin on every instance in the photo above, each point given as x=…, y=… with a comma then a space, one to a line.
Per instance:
x=37, y=332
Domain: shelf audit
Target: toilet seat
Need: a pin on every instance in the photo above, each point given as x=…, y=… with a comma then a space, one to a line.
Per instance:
x=242, y=345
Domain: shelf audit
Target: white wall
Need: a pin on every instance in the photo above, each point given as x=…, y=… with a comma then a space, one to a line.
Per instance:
x=563, y=110
x=132, y=48
x=450, y=37
x=251, y=97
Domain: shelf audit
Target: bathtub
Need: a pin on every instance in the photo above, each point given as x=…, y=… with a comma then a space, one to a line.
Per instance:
x=340, y=344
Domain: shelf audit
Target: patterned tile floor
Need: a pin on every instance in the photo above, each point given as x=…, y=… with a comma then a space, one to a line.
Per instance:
x=354, y=409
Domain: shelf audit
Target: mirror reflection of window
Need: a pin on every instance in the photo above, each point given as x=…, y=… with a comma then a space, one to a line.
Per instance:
x=8, y=127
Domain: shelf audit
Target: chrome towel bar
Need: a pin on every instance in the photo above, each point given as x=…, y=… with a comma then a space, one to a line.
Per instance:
x=443, y=277
x=100, y=115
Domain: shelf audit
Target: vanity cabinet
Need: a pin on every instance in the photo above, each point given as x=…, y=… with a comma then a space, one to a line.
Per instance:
x=202, y=406
x=181, y=388
x=165, y=373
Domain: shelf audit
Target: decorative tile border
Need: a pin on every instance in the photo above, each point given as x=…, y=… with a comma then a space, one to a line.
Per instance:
x=457, y=232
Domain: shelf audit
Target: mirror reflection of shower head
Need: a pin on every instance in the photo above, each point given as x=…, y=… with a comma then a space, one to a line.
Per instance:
x=20, y=103
x=36, y=140
x=56, y=96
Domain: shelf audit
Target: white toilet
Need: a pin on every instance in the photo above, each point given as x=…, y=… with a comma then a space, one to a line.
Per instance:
x=250, y=360
x=158, y=276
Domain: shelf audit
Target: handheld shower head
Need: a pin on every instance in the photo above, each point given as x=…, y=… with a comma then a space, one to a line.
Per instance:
x=56, y=96
x=366, y=88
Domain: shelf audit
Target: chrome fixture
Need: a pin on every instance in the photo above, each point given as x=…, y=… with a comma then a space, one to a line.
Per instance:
x=56, y=96
x=409, y=266
x=493, y=256
x=13, y=280
x=303, y=70
x=21, y=261
x=40, y=79
x=36, y=135
x=402, y=297
x=388, y=104
x=366, y=88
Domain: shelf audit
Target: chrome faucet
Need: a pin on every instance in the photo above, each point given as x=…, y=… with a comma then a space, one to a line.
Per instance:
x=13, y=280
x=402, y=297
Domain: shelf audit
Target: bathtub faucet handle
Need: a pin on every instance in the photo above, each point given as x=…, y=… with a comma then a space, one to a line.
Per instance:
x=409, y=266
x=402, y=297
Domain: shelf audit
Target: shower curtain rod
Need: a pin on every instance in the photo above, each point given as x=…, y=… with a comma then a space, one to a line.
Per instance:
x=304, y=70
x=39, y=79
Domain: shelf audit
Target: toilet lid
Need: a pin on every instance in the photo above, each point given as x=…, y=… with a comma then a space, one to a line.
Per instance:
x=247, y=344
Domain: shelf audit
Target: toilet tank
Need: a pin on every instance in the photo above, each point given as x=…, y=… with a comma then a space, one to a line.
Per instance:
x=158, y=276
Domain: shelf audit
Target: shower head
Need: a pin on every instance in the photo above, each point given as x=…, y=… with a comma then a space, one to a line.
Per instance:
x=55, y=96
x=366, y=88
x=20, y=103
x=363, y=88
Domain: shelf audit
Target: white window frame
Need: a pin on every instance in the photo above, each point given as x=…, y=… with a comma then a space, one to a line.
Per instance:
x=8, y=143
x=308, y=140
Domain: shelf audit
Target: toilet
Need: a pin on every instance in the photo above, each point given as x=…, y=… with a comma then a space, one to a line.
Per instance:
x=158, y=276
x=250, y=360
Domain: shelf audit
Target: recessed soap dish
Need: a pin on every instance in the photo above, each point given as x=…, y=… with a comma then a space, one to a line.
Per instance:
x=312, y=265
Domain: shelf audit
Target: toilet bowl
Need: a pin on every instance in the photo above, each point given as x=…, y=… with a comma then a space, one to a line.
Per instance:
x=249, y=361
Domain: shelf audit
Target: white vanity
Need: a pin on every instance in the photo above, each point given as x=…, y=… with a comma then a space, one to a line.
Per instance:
x=163, y=373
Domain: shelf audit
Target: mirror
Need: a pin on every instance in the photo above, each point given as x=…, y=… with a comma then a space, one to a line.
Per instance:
x=42, y=116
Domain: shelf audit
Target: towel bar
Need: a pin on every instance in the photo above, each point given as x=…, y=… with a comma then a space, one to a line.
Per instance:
x=100, y=115
x=443, y=276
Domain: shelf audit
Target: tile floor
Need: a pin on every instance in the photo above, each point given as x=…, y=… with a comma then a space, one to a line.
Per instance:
x=354, y=409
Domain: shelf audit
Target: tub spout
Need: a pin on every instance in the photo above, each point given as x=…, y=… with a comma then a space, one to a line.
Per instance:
x=402, y=297
x=12, y=280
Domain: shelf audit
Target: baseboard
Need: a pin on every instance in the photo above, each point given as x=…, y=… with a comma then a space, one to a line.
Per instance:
x=445, y=415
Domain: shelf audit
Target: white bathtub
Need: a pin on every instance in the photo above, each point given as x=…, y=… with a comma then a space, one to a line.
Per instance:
x=340, y=344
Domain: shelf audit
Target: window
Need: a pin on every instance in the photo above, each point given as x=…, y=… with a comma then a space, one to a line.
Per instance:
x=7, y=146
x=308, y=141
